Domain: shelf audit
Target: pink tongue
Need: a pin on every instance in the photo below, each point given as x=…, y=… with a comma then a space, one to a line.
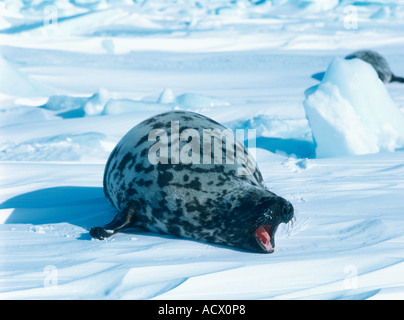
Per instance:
x=263, y=236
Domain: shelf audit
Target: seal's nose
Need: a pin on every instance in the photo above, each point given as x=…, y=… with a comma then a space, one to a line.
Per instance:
x=287, y=212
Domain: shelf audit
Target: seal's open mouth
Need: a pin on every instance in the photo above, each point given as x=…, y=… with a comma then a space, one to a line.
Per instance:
x=265, y=237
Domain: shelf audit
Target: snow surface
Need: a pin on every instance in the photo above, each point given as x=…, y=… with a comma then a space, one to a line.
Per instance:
x=77, y=75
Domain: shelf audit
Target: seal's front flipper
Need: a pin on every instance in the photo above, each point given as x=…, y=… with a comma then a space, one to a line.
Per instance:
x=122, y=220
x=396, y=79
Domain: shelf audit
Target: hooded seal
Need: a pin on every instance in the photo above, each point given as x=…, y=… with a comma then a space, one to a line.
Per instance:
x=165, y=176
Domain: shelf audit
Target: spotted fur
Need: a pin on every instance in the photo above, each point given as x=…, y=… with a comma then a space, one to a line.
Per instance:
x=207, y=202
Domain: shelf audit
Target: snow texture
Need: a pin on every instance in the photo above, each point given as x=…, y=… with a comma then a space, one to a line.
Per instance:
x=75, y=76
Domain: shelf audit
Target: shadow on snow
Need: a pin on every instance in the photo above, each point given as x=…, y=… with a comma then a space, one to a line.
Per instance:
x=81, y=206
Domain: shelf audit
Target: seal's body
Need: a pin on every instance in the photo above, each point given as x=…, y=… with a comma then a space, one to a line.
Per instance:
x=166, y=176
x=378, y=62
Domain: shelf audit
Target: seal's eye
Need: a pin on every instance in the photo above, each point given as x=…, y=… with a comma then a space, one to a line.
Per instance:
x=263, y=234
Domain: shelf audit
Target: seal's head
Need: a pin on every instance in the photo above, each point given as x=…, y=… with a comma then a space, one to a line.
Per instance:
x=273, y=212
x=260, y=214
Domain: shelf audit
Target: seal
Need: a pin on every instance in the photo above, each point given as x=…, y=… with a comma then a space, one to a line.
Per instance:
x=210, y=193
x=378, y=62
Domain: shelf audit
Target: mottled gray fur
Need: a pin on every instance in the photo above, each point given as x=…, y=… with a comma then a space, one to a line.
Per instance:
x=378, y=62
x=207, y=202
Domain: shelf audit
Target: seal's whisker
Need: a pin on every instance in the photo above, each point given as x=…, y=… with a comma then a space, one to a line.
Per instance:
x=291, y=225
x=288, y=228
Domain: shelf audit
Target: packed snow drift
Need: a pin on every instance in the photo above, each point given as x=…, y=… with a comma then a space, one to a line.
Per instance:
x=351, y=112
x=75, y=76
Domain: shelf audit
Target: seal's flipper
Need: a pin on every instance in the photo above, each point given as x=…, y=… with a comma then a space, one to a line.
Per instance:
x=396, y=79
x=122, y=220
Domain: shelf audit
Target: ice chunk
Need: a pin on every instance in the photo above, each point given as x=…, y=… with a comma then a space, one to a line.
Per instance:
x=270, y=126
x=195, y=101
x=167, y=96
x=95, y=104
x=108, y=45
x=119, y=106
x=382, y=13
x=63, y=102
x=23, y=114
x=15, y=83
x=351, y=112
x=87, y=146
x=73, y=107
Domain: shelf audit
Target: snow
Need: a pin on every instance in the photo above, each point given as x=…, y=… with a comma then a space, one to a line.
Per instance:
x=76, y=76
x=13, y=82
x=195, y=101
x=351, y=112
